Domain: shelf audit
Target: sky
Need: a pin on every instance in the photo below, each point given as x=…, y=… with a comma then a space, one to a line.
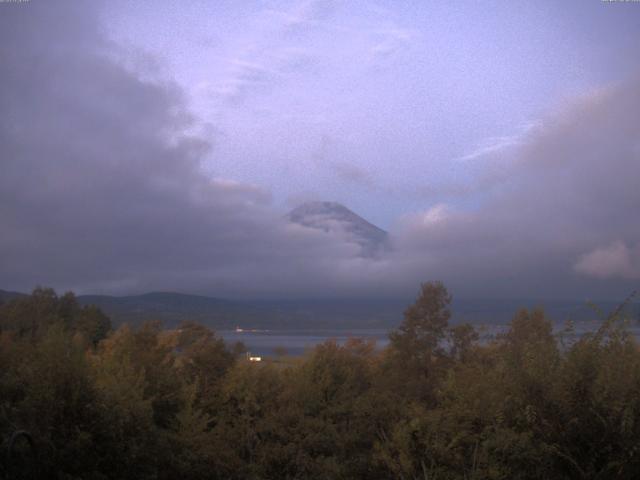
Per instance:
x=156, y=145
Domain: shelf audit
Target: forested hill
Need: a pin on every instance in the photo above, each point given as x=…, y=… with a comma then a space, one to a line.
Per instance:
x=172, y=308
x=6, y=296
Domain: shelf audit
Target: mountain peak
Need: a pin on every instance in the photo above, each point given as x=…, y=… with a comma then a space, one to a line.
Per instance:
x=335, y=217
x=320, y=208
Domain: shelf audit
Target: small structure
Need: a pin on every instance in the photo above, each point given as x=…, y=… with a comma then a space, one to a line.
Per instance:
x=252, y=358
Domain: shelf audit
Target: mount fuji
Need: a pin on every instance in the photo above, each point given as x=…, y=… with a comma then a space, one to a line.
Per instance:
x=333, y=217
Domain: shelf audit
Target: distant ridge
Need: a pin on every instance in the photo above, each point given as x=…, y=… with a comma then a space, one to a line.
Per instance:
x=307, y=314
x=154, y=301
x=170, y=307
x=6, y=296
x=335, y=217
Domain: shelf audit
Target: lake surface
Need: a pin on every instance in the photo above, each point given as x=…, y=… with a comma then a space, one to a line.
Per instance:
x=297, y=342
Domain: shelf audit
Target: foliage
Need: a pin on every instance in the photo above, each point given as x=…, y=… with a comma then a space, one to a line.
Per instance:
x=150, y=403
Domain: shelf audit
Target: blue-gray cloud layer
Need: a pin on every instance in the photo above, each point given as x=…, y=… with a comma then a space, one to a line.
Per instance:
x=105, y=186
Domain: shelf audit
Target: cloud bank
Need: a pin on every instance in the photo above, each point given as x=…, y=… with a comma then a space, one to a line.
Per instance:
x=103, y=190
x=545, y=207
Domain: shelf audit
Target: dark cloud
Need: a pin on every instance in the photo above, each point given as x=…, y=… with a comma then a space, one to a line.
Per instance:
x=102, y=188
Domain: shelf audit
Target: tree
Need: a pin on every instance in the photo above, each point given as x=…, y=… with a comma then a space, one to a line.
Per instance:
x=425, y=323
x=416, y=358
x=424, y=327
x=462, y=338
x=204, y=359
x=93, y=324
x=33, y=315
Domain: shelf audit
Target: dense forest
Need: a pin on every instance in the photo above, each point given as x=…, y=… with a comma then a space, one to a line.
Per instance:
x=80, y=400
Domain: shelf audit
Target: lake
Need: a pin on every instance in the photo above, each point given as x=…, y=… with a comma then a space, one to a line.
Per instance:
x=296, y=342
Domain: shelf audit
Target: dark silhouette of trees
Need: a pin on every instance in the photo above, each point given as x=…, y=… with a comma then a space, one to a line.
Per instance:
x=149, y=403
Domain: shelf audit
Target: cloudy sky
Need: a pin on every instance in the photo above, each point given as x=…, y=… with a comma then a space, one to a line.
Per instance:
x=154, y=145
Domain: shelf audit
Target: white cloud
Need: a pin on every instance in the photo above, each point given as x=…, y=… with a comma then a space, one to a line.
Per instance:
x=611, y=261
x=500, y=146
